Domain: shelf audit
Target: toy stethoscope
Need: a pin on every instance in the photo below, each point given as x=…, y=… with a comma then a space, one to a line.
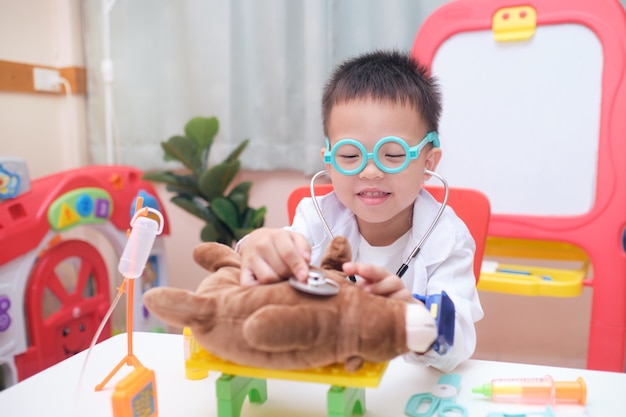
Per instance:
x=320, y=286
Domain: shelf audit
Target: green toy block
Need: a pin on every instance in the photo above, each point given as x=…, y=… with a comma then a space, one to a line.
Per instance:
x=232, y=390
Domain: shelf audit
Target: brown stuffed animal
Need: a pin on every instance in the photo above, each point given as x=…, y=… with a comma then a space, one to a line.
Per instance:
x=276, y=326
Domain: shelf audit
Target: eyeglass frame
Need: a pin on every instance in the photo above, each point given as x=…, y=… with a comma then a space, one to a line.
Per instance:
x=411, y=152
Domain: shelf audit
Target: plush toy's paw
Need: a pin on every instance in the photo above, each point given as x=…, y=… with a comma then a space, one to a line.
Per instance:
x=271, y=328
x=421, y=329
x=353, y=363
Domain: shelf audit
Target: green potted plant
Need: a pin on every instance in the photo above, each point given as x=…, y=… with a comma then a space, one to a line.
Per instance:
x=201, y=189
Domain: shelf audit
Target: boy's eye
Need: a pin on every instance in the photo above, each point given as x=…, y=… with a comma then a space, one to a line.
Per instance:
x=348, y=153
x=392, y=152
x=397, y=155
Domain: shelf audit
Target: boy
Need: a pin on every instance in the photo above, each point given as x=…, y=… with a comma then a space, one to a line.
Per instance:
x=374, y=108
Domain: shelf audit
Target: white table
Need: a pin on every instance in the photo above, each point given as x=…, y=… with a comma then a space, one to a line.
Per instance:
x=53, y=391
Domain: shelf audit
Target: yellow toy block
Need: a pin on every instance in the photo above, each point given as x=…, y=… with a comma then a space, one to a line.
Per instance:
x=198, y=363
x=523, y=268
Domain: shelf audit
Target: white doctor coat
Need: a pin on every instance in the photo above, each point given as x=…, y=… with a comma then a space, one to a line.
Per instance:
x=445, y=263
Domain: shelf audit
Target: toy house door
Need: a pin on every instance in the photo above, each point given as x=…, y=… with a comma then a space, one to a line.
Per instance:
x=66, y=299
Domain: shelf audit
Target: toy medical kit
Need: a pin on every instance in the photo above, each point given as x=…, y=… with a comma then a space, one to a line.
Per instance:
x=135, y=394
x=145, y=225
x=442, y=309
x=534, y=390
x=439, y=402
x=317, y=284
x=391, y=154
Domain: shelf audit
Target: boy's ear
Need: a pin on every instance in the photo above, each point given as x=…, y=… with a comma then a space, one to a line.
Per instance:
x=432, y=160
x=322, y=156
x=326, y=166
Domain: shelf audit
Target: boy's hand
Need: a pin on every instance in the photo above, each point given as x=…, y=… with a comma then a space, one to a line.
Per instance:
x=270, y=255
x=378, y=280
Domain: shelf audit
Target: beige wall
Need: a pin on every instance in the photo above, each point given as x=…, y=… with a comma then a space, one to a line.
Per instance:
x=48, y=131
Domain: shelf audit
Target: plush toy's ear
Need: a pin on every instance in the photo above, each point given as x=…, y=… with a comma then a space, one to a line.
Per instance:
x=213, y=256
x=336, y=254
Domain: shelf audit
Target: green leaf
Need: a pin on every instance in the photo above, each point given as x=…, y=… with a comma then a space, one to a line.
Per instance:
x=193, y=206
x=202, y=130
x=184, y=150
x=182, y=190
x=240, y=233
x=175, y=182
x=235, y=154
x=253, y=220
x=239, y=195
x=258, y=218
x=209, y=233
x=167, y=177
x=226, y=211
x=170, y=156
x=217, y=232
x=213, y=183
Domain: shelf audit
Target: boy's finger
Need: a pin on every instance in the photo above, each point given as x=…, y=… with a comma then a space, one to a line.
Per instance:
x=295, y=254
x=260, y=270
x=247, y=278
x=368, y=272
x=303, y=246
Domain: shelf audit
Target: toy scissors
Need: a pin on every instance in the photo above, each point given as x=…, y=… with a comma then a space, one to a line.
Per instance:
x=440, y=399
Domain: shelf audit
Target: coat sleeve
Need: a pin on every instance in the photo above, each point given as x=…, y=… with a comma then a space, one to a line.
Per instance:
x=454, y=274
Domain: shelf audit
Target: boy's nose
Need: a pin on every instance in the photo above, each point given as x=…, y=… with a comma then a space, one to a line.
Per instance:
x=371, y=171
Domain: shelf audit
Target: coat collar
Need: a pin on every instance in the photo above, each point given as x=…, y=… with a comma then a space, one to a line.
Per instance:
x=437, y=247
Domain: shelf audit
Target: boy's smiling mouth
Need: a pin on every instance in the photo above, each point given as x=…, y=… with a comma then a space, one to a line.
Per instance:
x=372, y=197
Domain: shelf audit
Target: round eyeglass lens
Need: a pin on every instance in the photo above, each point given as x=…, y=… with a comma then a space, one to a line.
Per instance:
x=349, y=157
x=391, y=155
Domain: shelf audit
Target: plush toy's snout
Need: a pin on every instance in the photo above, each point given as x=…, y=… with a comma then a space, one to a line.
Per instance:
x=276, y=326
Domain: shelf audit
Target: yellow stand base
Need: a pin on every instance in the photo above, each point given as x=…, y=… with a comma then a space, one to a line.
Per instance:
x=346, y=396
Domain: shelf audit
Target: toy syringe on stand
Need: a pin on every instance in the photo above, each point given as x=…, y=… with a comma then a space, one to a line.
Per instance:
x=135, y=394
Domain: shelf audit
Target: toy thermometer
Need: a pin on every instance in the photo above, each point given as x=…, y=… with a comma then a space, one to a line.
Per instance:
x=146, y=224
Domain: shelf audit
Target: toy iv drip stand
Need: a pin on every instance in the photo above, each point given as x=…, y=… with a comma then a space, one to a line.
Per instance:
x=138, y=389
x=131, y=266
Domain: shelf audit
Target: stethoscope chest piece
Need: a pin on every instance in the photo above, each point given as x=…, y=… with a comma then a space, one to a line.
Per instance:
x=316, y=284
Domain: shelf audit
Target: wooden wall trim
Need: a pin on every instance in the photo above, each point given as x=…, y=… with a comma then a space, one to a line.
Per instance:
x=18, y=78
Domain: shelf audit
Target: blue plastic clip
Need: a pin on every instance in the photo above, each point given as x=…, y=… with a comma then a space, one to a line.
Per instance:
x=442, y=309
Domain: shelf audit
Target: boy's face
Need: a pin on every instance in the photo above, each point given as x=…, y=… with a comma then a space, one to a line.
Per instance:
x=380, y=201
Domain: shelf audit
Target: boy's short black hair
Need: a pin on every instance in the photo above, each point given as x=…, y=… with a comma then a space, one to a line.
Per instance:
x=387, y=76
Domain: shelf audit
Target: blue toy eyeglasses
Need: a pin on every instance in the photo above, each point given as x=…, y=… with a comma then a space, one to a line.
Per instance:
x=391, y=154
